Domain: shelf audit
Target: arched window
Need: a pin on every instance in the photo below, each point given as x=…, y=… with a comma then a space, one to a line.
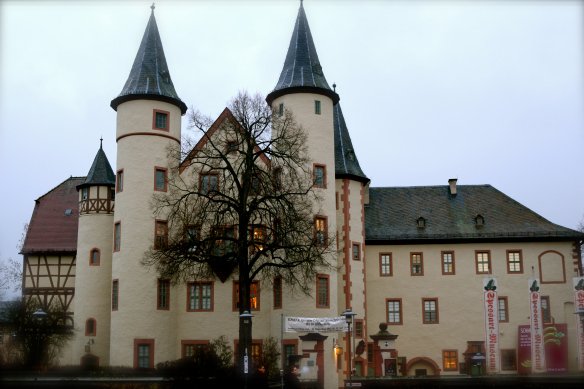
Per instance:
x=90, y=327
x=94, y=256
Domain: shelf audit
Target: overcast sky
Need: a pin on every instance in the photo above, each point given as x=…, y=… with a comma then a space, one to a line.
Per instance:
x=489, y=92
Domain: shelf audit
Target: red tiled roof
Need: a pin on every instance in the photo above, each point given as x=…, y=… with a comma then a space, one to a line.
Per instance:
x=52, y=227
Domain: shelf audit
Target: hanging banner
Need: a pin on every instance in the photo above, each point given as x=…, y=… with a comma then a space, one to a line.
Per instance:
x=536, y=328
x=315, y=324
x=491, y=304
x=555, y=341
x=578, y=283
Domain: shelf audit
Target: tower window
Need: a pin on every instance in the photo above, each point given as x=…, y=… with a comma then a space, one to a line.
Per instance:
x=160, y=179
x=317, y=107
x=320, y=230
x=117, y=236
x=160, y=235
x=120, y=181
x=319, y=176
x=281, y=109
x=322, y=291
x=115, y=294
x=90, y=327
x=160, y=120
x=94, y=257
x=84, y=193
x=163, y=294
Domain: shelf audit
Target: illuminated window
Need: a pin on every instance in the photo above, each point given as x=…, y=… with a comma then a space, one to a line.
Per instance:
x=385, y=265
x=483, y=262
x=430, y=313
x=321, y=230
x=416, y=264
x=161, y=235
x=394, y=311
x=200, y=296
x=447, y=262
x=450, y=360
x=223, y=240
x=254, y=296
x=322, y=291
x=514, y=261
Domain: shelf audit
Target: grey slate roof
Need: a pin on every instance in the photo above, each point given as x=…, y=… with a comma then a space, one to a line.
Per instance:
x=391, y=216
x=302, y=71
x=149, y=77
x=101, y=172
x=346, y=163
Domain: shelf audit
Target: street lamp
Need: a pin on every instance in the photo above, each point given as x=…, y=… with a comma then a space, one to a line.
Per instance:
x=245, y=317
x=39, y=316
x=349, y=315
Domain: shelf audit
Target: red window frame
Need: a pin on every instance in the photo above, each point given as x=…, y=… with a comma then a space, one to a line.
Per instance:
x=323, y=289
x=164, y=171
x=155, y=126
x=389, y=265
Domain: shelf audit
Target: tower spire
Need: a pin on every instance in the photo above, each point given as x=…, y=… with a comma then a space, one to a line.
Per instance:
x=346, y=163
x=149, y=78
x=302, y=71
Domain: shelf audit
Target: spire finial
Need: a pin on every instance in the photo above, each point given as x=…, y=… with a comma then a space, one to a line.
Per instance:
x=334, y=87
x=101, y=142
x=152, y=7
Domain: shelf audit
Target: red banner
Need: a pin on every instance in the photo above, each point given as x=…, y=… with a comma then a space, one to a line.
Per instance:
x=555, y=345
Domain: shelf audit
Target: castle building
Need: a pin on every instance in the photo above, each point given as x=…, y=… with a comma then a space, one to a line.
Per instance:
x=415, y=264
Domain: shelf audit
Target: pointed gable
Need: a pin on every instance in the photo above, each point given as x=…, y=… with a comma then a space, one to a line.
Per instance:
x=302, y=71
x=149, y=77
x=101, y=172
x=346, y=163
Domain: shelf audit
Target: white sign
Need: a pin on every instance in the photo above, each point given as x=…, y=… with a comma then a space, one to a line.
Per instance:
x=315, y=324
x=578, y=283
x=491, y=302
x=536, y=324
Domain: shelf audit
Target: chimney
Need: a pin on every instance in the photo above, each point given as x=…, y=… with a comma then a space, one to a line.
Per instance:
x=452, y=183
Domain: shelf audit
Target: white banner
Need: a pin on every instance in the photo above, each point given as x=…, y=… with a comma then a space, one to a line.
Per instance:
x=578, y=283
x=536, y=324
x=491, y=302
x=315, y=324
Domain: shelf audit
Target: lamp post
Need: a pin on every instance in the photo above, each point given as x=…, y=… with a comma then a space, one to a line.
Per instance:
x=39, y=317
x=245, y=317
x=349, y=315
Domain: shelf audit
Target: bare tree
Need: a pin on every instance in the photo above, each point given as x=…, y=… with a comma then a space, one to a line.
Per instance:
x=10, y=277
x=241, y=201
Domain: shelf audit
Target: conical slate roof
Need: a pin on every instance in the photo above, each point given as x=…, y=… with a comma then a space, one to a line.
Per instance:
x=302, y=71
x=346, y=163
x=149, y=77
x=101, y=172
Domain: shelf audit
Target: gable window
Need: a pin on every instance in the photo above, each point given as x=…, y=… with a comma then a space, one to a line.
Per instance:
x=200, y=296
x=322, y=291
x=385, y=265
x=94, y=256
x=320, y=230
x=448, y=262
x=115, y=291
x=117, y=236
x=450, y=360
x=430, y=311
x=319, y=176
x=394, y=311
x=120, y=181
x=416, y=264
x=160, y=235
x=483, y=262
x=356, y=252
x=90, y=327
x=514, y=261
x=254, y=296
x=160, y=179
x=163, y=295
x=503, y=310
x=231, y=146
x=144, y=353
x=160, y=120
x=317, y=107
x=208, y=183
x=546, y=312
x=277, y=292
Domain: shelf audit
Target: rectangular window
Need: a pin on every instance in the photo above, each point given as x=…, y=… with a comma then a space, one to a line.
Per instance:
x=254, y=296
x=430, y=311
x=359, y=328
x=322, y=291
x=90, y=327
x=208, y=183
x=385, y=265
x=321, y=230
x=199, y=296
x=416, y=264
x=160, y=179
x=193, y=235
x=319, y=176
x=117, y=236
x=394, y=311
x=503, y=309
x=144, y=353
x=258, y=238
x=231, y=146
x=163, y=295
x=190, y=347
x=115, y=293
x=290, y=349
x=94, y=257
x=84, y=193
x=450, y=360
x=120, y=181
x=281, y=109
x=277, y=292
x=317, y=107
x=356, y=252
x=546, y=311
x=160, y=234
x=508, y=359
x=514, y=261
x=448, y=263
x=483, y=262
x=223, y=240
x=160, y=120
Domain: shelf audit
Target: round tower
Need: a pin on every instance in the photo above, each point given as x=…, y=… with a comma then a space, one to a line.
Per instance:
x=148, y=126
x=93, y=268
x=302, y=89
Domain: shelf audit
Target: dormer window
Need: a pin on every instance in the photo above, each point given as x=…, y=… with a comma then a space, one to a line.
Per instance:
x=479, y=221
x=421, y=222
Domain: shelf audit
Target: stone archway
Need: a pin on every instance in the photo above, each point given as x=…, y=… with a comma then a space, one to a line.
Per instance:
x=422, y=363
